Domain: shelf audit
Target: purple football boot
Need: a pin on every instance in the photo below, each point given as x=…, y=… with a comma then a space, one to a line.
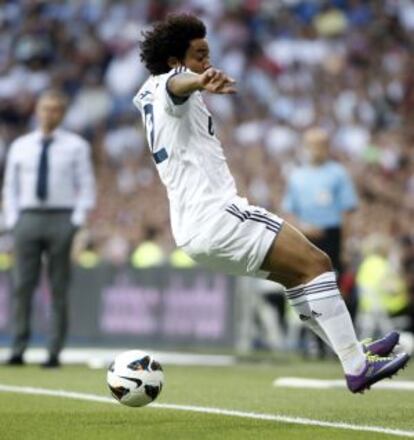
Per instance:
x=383, y=346
x=376, y=369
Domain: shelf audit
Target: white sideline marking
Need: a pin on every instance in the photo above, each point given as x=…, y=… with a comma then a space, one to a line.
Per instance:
x=207, y=410
x=300, y=382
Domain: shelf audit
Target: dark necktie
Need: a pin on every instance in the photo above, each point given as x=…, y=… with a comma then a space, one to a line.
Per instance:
x=41, y=187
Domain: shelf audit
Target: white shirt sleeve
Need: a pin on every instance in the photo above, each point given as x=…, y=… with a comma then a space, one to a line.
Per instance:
x=174, y=105
x=11, y=188
x=85, y=182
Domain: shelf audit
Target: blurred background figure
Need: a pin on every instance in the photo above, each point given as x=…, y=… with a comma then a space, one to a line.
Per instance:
x=407, y=251
x=84, y=251
x=148, y=253
x=180, y=260
x=319, y=195
x=270, y=316
x=381, y=287
x=48, y=191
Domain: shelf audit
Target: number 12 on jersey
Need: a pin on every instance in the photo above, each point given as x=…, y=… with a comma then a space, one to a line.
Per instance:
x=160, y=155
x=149, y=124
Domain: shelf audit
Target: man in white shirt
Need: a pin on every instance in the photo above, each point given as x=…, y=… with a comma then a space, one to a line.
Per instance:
x=212, y=223
x=47, y=192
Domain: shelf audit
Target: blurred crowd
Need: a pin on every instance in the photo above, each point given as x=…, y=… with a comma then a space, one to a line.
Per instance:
x=345, y=65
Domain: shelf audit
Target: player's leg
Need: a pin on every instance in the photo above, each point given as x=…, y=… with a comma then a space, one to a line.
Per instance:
x=295, y=260
x=295, y=249
x=292, y=259
x=313, y=293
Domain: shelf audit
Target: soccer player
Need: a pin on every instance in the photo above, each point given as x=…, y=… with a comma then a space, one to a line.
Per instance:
x=218, y=228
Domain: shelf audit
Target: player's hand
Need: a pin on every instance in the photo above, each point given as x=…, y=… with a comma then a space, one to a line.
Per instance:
x=215, y=81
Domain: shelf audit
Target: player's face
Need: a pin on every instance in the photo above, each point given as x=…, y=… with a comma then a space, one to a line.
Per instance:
x=197, y=57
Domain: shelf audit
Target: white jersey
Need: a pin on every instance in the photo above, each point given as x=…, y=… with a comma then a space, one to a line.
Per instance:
x=188, y=155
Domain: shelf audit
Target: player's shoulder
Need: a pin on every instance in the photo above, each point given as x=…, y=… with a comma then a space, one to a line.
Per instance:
x=153, y=82
x=149, y=85
x=156, y=87
x=147, y=91
x=180, y=69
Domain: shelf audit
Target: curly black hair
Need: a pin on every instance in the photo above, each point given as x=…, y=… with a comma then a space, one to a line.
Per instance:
x=169, y=38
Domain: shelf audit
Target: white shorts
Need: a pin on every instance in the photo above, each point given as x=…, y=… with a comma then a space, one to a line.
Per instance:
x=237, y=240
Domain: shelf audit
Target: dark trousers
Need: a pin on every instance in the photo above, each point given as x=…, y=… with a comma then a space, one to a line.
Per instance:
x=331, y=243
x=41, y=235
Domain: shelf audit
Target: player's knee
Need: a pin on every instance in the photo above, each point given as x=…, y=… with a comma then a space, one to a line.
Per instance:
x=319, y=264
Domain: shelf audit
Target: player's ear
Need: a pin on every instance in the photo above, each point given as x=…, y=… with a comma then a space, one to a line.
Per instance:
x=173, y=62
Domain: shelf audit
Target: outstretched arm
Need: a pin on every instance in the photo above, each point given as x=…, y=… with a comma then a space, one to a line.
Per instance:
x=212, y=80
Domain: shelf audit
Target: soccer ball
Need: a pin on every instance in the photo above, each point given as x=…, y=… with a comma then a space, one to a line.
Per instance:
x=135, y=378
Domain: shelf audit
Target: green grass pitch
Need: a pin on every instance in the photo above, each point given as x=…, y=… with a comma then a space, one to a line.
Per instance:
x=244, y=387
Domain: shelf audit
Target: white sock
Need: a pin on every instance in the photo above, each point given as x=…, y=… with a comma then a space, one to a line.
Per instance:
x=297, y=300
x=330, y=312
